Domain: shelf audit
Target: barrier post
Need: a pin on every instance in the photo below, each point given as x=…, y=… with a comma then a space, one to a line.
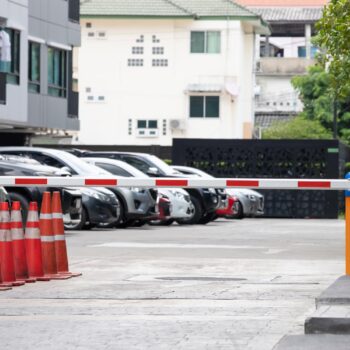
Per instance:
x=347, y=229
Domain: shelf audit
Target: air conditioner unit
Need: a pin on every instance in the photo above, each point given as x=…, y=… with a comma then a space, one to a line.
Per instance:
x=177, y=124
x=147, y=133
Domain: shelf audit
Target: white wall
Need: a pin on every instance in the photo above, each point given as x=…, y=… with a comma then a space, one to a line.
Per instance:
x=160, y=92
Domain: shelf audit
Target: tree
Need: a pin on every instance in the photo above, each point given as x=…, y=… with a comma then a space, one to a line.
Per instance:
x=333, y=38
x=297, y=128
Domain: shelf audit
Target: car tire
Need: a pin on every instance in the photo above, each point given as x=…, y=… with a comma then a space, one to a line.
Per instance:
x=16, y=197
x=123, y=222
x=240, y=212
x=197, y=215
x=207, y=218
x=79, y=226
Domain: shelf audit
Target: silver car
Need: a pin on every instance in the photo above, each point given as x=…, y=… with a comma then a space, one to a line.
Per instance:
x=182, y=206
x=250, y=202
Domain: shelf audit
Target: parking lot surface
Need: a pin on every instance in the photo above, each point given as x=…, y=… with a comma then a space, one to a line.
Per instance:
x=228, y=285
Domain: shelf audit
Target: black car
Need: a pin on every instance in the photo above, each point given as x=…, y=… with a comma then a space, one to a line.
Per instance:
x=100, y=207
x=71, y=198
x=205, y=200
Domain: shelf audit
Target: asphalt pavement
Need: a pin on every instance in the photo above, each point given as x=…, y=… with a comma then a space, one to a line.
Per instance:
x=228, y=285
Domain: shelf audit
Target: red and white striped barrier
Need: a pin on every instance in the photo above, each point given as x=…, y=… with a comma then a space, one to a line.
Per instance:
x=278, y=184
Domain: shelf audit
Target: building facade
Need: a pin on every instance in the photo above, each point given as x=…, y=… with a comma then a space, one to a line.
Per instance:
x=36, y=93
x=286, y=53
x=158, y=70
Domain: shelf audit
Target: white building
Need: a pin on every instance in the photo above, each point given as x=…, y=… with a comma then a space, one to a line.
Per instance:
x=153, y=70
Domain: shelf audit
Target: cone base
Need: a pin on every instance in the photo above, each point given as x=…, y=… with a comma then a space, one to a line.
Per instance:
x=3, y=289
x=59, y=277
x=43, y=278
x=27, y=279
x=18, y=283
x=5, y=285
x=72, y=274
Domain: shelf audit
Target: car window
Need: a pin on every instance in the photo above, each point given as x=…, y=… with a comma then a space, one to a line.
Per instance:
x=137, y=163
x=114, y=169
x=50, y=161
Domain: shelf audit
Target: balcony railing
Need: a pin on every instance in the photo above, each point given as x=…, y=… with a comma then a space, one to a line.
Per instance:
x=74, y=10
x=283, y=65
x=73, y=104
x=2, y=88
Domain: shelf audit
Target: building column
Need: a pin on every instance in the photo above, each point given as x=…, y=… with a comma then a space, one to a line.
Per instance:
x=308, y=40
x=267, y=46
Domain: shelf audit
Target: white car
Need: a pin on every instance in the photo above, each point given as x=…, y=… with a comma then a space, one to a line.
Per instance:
x=250, y=202
x=182, y=206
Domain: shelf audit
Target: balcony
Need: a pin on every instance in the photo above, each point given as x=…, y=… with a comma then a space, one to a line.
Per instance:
x=73, y=105
x=2, y=88
x=288, y=66
x=74, y=10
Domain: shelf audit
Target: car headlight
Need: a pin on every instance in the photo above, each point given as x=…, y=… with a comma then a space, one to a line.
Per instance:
x=178, y=194
x=137, y=189
x=96, y=195
x=251, y=197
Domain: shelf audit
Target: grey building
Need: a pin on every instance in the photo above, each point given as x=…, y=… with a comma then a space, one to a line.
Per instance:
x=36, y=87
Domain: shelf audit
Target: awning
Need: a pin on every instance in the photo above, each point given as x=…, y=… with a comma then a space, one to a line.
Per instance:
x=204, y=88
x=232, y=89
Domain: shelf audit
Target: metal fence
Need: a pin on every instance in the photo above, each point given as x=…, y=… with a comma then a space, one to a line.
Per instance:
x=310, y=159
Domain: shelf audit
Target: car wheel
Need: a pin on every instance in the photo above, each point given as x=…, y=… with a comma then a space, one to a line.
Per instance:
x=16, y=197
x=196, y=215
x=80, y=225
x=207, y=218
x=240, y=213
x=123, y=222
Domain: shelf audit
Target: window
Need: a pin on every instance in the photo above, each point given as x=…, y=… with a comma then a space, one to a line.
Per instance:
x=147, y=124
x=158, y=50
x=34, y=67
x=13, y=72
x=204, y=106
x=137, y=163
x=57, y=72
x=160, y=63
x=302, y=51
x=137, y=50
x=114, y=169
x=206, y=42
x=135, y=62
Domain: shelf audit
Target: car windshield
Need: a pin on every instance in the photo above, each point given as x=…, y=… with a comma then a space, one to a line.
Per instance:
x=80, y=166
x=164, y=167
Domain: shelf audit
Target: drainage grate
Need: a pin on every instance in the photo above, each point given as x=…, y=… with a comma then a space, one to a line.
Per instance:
x=206, y=279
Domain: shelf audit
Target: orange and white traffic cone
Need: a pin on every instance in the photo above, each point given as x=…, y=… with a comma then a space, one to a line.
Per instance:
x=6, y=248
x=33, y=244
x=19, y=249
x=48, y=239
x=4, y=286
x=60, y=240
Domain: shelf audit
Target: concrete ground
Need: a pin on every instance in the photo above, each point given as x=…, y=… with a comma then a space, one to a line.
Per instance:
x=228, y=285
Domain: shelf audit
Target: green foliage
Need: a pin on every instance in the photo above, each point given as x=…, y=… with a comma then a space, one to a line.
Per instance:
x=297, y=128
x=333, y=38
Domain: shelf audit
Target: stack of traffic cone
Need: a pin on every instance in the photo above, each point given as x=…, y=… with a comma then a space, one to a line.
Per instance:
x=6, y=248
x=19, y=249
x=48, y=239
x=60, y=240
x=33, y=245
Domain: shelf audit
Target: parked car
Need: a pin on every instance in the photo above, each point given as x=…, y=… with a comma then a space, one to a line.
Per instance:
x=16, y=166
x=205, y=200
x=250, y=202
x=181, y=205
x=231, y=210
x=100, y=207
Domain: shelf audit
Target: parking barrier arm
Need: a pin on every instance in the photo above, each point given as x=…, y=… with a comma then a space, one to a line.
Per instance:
x=277, y=184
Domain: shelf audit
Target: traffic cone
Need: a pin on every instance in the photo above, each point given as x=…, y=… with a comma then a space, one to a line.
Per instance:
x=33, y=244
x=48, y=239
x=19, y=249
x=6, y=248
x=60, y=240
x=4, y=286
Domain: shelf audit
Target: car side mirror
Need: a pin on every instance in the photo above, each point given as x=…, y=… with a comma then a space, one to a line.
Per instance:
x=152, y=171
